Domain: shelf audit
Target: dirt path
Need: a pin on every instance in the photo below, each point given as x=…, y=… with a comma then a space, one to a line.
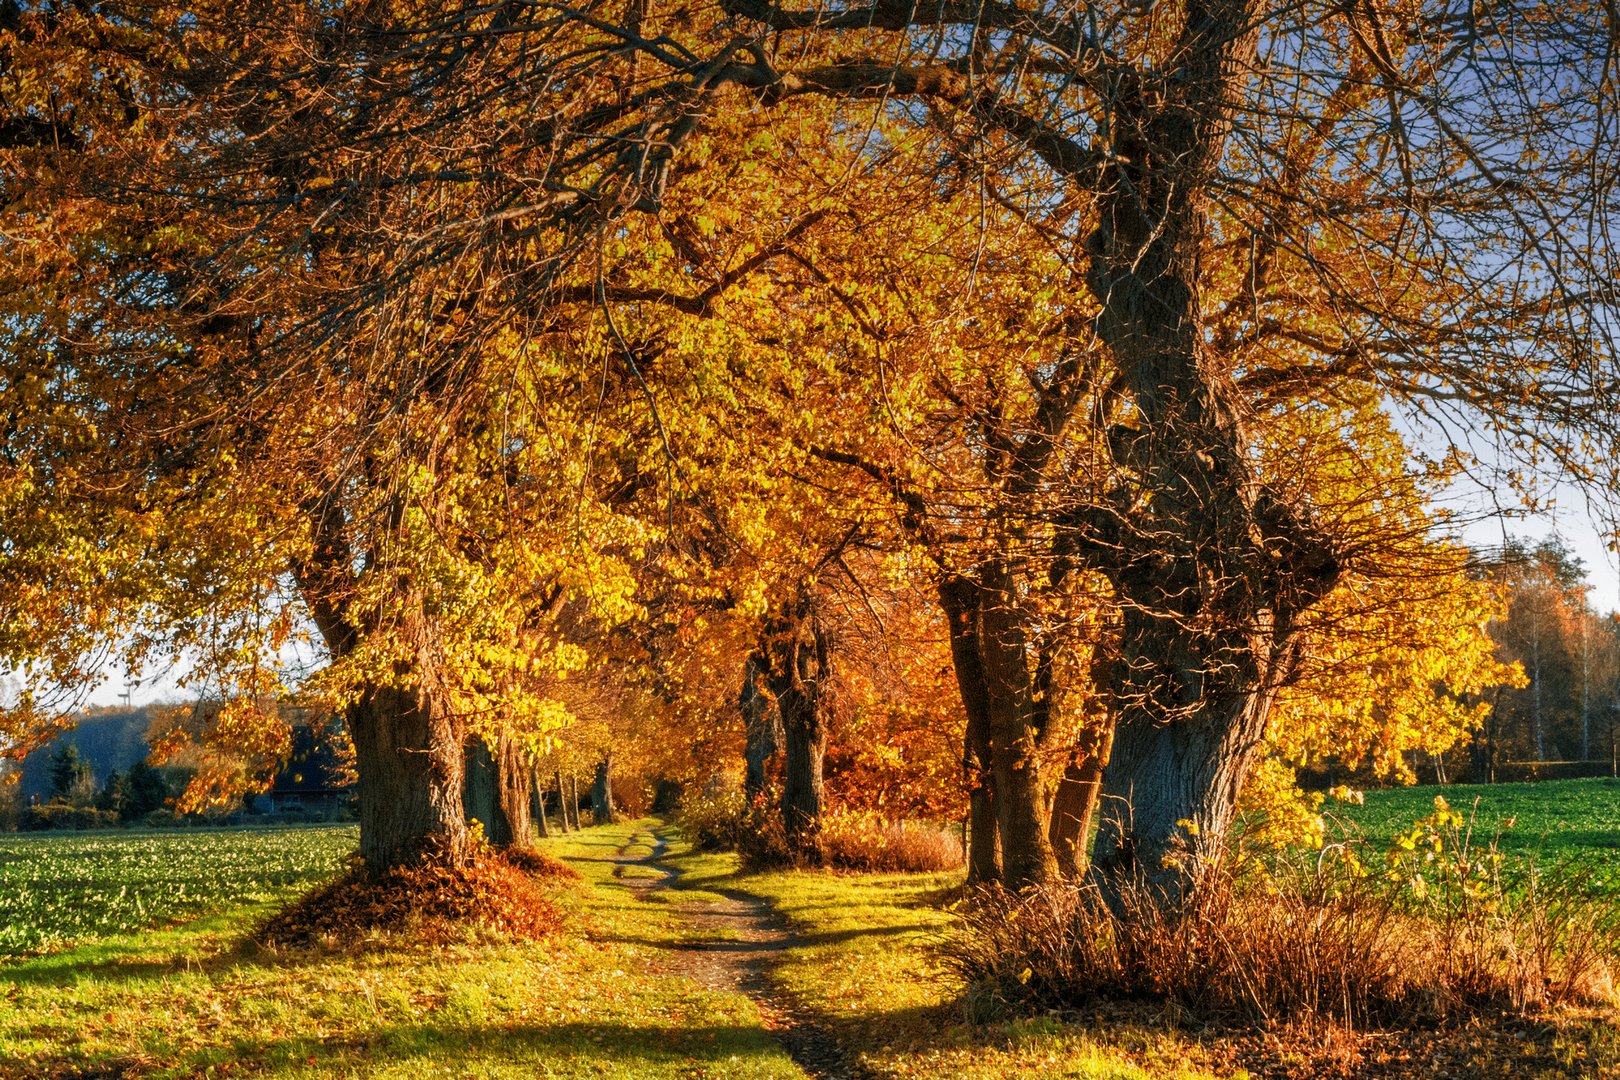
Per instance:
x=745, y=937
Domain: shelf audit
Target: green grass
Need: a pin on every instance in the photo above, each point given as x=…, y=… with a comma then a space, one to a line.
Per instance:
x=867, y=966
x=57, y=888
x=598, y=1000
x=1554, y=820
x=605, y=997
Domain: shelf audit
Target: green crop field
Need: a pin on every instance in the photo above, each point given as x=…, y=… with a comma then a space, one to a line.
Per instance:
x=1554, y=820
x=57, y=888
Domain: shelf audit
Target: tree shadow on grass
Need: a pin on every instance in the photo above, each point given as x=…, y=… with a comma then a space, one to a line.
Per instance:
x=566, y=1049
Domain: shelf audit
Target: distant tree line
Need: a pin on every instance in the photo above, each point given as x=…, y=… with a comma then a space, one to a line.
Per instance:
x=1568, y=710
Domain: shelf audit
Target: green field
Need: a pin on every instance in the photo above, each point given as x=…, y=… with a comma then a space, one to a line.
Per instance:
x=616, y=993
x=1568, y=824
x=57, y=888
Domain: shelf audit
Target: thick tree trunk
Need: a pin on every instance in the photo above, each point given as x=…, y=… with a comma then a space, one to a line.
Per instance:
x=1074, y=804
x=602, y=811
x=799, y=652
x=497, y=792
x=803, y=792
x=407, y=739
x=762, y=726
x=514, y=780
x=959, y=597
x=1210, y=568
x=479, y=798
x=408, y=756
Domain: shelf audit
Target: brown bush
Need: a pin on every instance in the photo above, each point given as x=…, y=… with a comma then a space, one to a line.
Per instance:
x=856, y=841
x=1337, y=944
x=846, y=840
x=433, y=899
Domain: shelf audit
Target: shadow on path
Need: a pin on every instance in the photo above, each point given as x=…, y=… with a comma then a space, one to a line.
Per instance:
x=744, y=937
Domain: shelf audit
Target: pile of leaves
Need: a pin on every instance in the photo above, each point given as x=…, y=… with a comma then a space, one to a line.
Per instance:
x=537, y=863
x=436, y=898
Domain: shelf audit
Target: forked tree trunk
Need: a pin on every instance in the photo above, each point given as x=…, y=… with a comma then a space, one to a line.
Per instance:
x=407, y=738
x=602, y=809
x=959, y=598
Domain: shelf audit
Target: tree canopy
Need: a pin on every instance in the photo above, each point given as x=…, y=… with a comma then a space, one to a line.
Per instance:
x=544, y=362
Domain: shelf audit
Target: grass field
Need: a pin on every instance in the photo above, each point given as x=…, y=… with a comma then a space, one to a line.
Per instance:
x=609, y=995
x=57, y=888
x=1552, y=820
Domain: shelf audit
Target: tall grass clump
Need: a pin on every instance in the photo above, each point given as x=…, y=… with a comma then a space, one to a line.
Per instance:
x=865, y=841
x=1438, y=933
x=845, y=839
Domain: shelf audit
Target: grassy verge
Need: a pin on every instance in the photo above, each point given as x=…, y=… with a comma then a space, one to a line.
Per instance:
x=865, y=966
x=198, y=1000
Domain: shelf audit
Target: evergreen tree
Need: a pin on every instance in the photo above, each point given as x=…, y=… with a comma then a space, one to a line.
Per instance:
x=71, y=778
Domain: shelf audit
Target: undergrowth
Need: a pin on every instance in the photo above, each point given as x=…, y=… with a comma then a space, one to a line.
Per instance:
x=844, y=839
x=1437, y=934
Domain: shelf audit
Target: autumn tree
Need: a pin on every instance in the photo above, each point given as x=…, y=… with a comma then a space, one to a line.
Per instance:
x=1240, y=209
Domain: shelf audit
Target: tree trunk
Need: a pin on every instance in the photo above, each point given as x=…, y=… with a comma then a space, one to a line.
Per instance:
x=1017, y=726
x=802, y=788
x=1075, y=803
x=479, y=792
x=515, y=780
x=496, y=792
x=1211, y=569
x=407, y=738
x=602, y=812
x=408, y=756
x=562, y=803
x=573, y=798
x=959, y=597
x=540, y=814
x=762, y=726
x=799, y=651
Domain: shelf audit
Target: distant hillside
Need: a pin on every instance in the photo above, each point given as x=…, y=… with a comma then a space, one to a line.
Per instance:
x=111, y=740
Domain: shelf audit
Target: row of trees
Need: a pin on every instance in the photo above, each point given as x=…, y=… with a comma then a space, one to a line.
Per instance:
x=1568, y=708
x=564, y=369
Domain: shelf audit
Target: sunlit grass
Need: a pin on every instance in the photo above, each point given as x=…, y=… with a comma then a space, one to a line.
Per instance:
x=865, y=964
x=599, y=1000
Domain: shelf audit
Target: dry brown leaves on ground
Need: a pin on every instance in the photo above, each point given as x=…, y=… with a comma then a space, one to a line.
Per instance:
x=496, y=892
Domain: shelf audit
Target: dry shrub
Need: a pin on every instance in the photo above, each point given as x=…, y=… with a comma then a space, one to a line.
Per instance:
x=716, y=822
x=848, y=840
x=1338, y=944
x=435, y=898
x=862, y=841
